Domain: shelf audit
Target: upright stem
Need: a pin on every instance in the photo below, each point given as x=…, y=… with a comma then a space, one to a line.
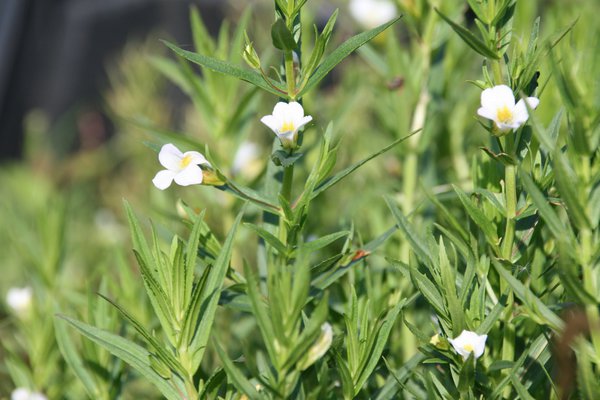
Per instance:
x=510, y=193
x=510, y=189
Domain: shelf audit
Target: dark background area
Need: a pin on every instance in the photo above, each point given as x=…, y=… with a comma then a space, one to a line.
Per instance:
x=53, y=52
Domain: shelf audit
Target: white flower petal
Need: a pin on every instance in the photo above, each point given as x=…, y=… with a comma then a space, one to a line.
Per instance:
x=244, y=156
x=163, y=179
x=170, y=157
x=487, y=113
x=372, y=13
x=520, y=111
x=19, y=299
x=303, y=121
x=520, y=114
x=280, y=110
x=271, y=122
x=533, y=102
x=469, y=342
x=196, y=158
x=295, y=111
x=20, y=394
x=190, y=175
x=497, y=97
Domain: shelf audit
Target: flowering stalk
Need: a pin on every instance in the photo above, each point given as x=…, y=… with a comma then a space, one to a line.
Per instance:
x=510, y=193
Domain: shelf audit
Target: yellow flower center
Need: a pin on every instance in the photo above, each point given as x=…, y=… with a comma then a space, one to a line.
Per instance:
x=469, y=348
x=505, y=115
x=185, y=161
x=287, y=126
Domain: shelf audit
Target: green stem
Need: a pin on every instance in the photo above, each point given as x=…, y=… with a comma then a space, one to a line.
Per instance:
x=589, y=284
x=510, y=193
x=289, y=75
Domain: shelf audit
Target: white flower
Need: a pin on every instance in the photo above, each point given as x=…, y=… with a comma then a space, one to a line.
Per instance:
x=469, y=342
x=181, y=167
x=498, y=104
x=372, y=13
x=245, y=155
x=19, y=299
x=319, y=348
x=285, y=121
x=26, y=394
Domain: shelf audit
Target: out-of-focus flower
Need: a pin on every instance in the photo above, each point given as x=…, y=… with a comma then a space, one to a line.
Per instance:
x=26, y=394
x=372, y=13
x=19, y=299
x=439, y=342
x=469, y=342
x=498, y=105
x=318, y=349
x=286, y=120
x=183, y=168
x=245, y=158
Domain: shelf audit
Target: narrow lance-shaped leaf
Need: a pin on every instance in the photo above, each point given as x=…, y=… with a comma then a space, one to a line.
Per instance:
x=347, y=171
x=558, y=229
x=343, y=51
x=131, y=353
x=211, y=293
x=530, y=299
x=486, y=226
x=473, y=41
x=71, y=356
x=235, y=375
x=380, y=341
x=226, y=68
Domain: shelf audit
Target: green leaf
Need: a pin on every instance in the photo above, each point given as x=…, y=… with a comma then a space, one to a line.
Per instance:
x=269, y=238
x=343, y=51
x=260, y=200
x=137, y=236
x=347, y=171
x=235, y=375
x=486, y=226
x=282, y=37
x=345, y=376
x=568, y=185
x=259, y=309
x=69, y=352
x=466, y=379
x=448, y=276
x=131, y=353
x=418, y=244
x=558, y=229
x=528, y=298
x=380, y=341
x=324, y=241
x=226, y=68
x=191, y=253
x=469, y=38
x=161, y=352
x=282, y=158
x=209, y=298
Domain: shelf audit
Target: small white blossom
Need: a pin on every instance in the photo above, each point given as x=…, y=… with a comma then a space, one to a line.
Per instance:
x=19, y=299
x=246, y=154
x=319, y=348
x=26, y=394
x=183, y=168
x=498, y=105
x=372, y=13
x=469, y=342
x=286, y=120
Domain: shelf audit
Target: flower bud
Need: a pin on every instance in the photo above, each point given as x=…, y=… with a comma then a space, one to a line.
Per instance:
x=249, y=55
